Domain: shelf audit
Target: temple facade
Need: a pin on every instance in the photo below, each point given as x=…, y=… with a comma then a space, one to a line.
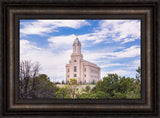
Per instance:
x=80, y=69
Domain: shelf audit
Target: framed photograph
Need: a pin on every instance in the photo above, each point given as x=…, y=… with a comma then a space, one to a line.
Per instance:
x=80, y=58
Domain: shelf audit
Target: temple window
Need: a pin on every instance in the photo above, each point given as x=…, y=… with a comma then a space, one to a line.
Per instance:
x=75, y=69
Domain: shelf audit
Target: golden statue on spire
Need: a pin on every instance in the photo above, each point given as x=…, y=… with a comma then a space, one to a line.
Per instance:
x=76, y=35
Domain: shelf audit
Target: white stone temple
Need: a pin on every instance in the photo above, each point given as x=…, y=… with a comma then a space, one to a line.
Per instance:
x=80, y=69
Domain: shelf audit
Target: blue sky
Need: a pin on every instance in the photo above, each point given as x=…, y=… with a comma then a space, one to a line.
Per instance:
x=114, y=45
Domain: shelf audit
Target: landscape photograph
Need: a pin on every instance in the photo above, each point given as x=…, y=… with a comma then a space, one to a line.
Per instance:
x=80, y=59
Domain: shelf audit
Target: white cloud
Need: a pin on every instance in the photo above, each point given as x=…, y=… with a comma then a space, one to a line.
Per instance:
x=111, y=65
x=52, y=64
x=61, y=41
x=67, y=40
x=120, y=72
x=90, y=55
x=95, y=37
x=41, y=27
x=111, y=54
x=114, y=31
x=134, y=64
x=128, y=69
x=121, y=30
x=110, y=31
x=132, y=51
x=103, y=74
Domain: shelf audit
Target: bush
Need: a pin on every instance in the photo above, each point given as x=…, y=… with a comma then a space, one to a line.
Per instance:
x=68, y=96
x=88, y=88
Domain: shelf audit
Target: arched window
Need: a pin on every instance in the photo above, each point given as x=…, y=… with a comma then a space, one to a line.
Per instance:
x=75, y=69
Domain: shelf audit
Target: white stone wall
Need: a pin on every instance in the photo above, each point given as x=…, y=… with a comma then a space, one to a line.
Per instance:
x=79, y=86
x=86, y=72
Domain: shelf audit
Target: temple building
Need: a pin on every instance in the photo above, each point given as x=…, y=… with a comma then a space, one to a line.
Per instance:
x=80, y=69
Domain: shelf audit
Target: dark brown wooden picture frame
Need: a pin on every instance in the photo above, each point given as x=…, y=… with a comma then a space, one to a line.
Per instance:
x=147, y=12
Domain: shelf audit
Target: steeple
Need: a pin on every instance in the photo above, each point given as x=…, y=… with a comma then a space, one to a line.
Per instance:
x=76, y=41
x=77, y=45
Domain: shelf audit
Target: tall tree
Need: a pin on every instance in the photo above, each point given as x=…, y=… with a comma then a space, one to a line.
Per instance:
x=44, y=88
x=73, y=87
x=28, y=71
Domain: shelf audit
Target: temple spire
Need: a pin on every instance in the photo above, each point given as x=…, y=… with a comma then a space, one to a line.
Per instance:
x=77, y=46
x=76, y=41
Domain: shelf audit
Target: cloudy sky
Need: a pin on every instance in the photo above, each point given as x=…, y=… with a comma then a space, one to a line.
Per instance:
x=114, y=45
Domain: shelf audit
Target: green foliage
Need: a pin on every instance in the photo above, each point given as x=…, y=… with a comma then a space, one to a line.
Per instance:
x=83, y=90
x=88, y=88
x=44, y=88
x=63, y=92
x=93, y=95
x=73, y=87
x=67, y=82
x=133, y=95
x=116, y=87
x=68, y=96
x=84, y=96
x=119, y=95
x=68, y=91
x=73, y=81
x=138, y=75
x=102, y=95
x=111, y=87
x=88, y=96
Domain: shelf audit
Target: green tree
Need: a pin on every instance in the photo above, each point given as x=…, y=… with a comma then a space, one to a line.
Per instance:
x=68, y=96
x=63, y=92
x=138, y=75
x=108, y=84
x=73, y=87
x=84, y=96
x=114, y=86
x=101, y=95
x=94, y=95
x=44, y=88
x=88, y=88
x=99, y=86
